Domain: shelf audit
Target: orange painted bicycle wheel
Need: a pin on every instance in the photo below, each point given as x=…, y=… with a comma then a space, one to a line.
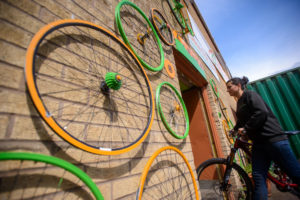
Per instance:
x=162, y=27
x=89, y=87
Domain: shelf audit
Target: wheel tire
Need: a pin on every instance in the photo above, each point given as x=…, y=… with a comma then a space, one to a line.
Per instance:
x=206, y=182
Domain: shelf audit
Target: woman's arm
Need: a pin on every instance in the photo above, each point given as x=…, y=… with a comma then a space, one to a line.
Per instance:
x=259, y=112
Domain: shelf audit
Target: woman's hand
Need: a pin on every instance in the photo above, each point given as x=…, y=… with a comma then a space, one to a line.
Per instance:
x=242, y=131
x=243, y=134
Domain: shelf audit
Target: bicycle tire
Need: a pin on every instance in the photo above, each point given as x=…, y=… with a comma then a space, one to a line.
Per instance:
x=162, y=27
x=226, y=131
x=80, y=95
x=178, y=15
x=131, y=46
x=172, y=110
x=161, y=161
x=214, y=87
x=6, y=156
x=210, y=186
x=281, y=180
x=225, y=113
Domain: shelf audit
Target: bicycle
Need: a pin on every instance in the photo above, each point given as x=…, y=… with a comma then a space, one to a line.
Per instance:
x=230, y=180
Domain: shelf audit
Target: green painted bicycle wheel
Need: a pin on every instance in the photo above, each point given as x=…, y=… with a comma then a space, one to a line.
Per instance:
x=140, y=35
x=172, y=110
x=39, y=158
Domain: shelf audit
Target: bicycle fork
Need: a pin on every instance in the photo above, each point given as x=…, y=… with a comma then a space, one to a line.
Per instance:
x=226, y=185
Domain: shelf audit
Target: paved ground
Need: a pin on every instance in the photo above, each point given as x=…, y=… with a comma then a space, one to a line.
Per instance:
x=277, y=195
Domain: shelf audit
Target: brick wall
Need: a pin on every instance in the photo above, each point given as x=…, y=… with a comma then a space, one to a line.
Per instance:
x=22, y=129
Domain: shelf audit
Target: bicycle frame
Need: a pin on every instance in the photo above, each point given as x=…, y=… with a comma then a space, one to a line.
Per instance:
x=282, y=182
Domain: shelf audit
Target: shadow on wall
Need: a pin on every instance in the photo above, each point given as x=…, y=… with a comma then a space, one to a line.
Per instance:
x=26, y=182
x=172, y=141
x=97, y=166
x=60, y=149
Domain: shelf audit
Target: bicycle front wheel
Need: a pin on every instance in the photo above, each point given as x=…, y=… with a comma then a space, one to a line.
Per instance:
x=89, y=87
x=211, y=179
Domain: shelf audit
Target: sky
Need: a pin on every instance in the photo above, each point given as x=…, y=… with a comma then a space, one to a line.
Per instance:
x=256, y=38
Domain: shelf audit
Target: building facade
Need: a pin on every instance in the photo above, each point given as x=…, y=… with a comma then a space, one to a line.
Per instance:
x=195, y=68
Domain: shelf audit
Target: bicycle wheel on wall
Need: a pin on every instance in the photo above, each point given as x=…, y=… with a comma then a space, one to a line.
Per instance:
x=162, y=27
x=172, y=110
x=210, y=176
x=225, y=113
x=167, y=175
x=226, y=131
x=89, y=87
x=36, y=176
x=175, y=6
x=139, y=34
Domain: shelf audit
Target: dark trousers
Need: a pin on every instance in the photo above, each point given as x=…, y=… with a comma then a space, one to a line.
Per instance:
x=262, y=155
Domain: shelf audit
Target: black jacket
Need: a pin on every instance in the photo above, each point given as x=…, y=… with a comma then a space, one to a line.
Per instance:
x=257, y=118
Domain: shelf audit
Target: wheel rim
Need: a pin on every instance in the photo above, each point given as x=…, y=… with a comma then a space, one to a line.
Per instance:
x=214, y=87
x=176, y=12
x=139, y=34
x=37, y=183
x=167, y=175
x=172, y=110
x=226, y=130
x=162, y=27
x=210, y=179
x=66, y=90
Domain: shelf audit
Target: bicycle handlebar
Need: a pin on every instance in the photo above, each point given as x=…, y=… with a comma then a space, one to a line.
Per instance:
x=235, y=133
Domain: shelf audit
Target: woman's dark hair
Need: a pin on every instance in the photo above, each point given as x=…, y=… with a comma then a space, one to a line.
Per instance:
x=235, y=81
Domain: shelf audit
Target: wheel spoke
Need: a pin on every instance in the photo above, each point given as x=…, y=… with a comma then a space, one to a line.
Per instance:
x=168, y=175
x=70, y=66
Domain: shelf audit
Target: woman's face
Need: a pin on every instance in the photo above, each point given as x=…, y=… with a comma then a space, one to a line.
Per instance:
x=232, y=89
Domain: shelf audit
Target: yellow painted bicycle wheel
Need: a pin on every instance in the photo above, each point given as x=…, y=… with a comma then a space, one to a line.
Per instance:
x=226, y=131
x=167, y=175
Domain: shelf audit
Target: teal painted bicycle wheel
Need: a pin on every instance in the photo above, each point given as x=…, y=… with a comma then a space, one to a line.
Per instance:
x=172, y=110
x=139, y=34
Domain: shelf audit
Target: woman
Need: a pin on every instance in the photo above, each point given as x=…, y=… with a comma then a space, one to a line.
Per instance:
x=256, y=120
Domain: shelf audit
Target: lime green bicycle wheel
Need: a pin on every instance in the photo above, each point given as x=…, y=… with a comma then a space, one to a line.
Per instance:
x=37, y=176
x=172, y=110
x=176, y=7
x=139, y=34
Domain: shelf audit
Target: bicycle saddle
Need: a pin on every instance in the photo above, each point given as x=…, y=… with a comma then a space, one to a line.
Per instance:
x=295, y=132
